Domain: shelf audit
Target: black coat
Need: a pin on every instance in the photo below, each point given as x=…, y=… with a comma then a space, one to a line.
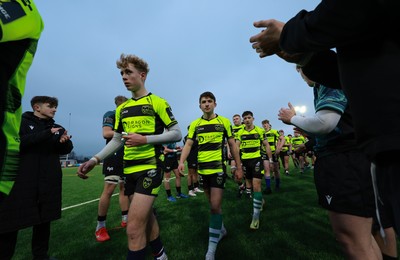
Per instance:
x=365, y=35
x=36, y=195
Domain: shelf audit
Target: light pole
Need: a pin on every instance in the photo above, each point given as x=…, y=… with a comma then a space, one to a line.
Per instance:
x=69, y=126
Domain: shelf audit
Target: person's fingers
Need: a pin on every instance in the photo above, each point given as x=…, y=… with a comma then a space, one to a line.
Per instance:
x=263, y=23
x=81, y=175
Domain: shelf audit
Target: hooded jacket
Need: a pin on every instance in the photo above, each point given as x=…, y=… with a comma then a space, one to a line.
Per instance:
x=36, y=195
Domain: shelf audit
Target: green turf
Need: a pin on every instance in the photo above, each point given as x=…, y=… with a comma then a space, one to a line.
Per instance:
x=292, y=225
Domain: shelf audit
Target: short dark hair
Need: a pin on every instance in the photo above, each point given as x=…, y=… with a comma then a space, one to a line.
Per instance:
x=52, y=101
x=245, y=113
x=207, y=94
x=119, y=100
x=265, y=121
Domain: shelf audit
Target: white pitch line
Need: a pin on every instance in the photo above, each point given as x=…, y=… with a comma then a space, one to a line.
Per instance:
x=83, y=203
x=164, y=180
x=90, y=201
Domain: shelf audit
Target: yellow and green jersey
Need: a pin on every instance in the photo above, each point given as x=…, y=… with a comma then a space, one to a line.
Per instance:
x=272, y=136
x=20, y=29
x=251, y=142
x=236, y=129
x=287, y=142
x=148, y=115
x=210, y=135
x=19, y=20
x=296, y=141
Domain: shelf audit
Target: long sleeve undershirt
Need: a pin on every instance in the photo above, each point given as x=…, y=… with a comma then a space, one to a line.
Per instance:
x=323, y=122
x=172, y=135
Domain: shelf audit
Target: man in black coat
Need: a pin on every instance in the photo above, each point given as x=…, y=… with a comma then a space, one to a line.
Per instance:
x=35, y=199
x=365, y=65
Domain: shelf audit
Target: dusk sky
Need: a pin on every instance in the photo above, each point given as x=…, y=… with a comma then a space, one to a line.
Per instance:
x=190, y=46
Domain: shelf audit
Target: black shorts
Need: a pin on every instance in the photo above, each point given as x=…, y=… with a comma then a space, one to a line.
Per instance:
x=282, y=155
x=253, y=168
x=385, y=214
x=145, y=182
x=265, y=157
x=170, y=163
x=216, y=180
x=387, y=181
x=114, y=165
x=344, y=184
x=297, y=155
x=192, y=162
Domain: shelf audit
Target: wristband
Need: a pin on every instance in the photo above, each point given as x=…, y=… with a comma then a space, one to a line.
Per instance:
x=96, y=159
x=270, y=160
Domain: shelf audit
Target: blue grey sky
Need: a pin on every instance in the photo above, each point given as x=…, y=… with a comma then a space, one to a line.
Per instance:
x=191, y=47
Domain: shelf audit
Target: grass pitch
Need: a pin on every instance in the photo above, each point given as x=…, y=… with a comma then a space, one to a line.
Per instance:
x=292, y=225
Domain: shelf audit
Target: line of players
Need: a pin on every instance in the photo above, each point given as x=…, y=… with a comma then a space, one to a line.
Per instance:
x=282, y=147
x=260, y=151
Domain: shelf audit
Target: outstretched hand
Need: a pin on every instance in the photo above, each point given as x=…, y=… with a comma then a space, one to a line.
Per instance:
x=85, y=168
x=266, y=43
x=286, y=114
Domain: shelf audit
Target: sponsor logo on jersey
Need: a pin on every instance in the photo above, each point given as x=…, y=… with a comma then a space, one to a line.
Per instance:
x=11, y=11
x=138, y=123
x=207, y=138
x=200, y=139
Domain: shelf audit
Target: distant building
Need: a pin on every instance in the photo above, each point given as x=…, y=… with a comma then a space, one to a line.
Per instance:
x=66, y=162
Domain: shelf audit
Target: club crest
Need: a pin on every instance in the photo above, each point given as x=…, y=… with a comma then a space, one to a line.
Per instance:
x=147, y=182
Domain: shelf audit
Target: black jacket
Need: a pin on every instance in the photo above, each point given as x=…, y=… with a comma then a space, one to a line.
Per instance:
x=364, y=33
x=36, y=195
